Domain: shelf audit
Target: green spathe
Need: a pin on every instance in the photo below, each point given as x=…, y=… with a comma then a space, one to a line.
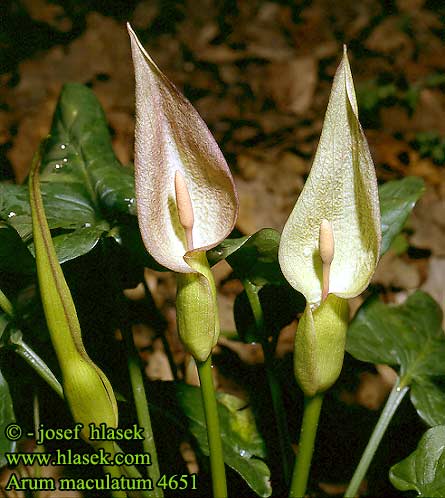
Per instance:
x=196, y=306
x=320, y=345
x=342, y=189
x=86, y=388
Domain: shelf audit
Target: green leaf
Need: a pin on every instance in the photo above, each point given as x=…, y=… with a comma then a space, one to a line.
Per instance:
x=408, y=336
x=225, y=249
x=83, y=183
x=6, y=418
x=74, y=244
x=4, y=322
x=429, y=400
x=397, y=200
x=254, y=257
x=424, y=470
x=79, y=152
x=243, y=446
x=67, y=207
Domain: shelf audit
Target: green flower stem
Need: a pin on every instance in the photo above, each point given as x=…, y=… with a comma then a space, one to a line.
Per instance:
x=398, y=392
x=5, y=304
x=311, y=415
x=274, y=385
x=135, y=373
x=113, y=470
x=143, y=414
x=213, y=431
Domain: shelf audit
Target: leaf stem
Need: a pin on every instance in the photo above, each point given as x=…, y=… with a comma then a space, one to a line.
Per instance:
x=398, y=392
x=5, y=304
x=213, y=432
x=311, y=415
x=34, y=361
x=142, y=411
x=274, y=385
x=27, y=353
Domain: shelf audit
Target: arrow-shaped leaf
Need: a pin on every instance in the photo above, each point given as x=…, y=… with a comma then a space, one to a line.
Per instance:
x=424, y=470
x=409, y=336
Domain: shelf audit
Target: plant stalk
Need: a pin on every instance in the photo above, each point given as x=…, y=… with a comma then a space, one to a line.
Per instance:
x=142, y=411
x=136, y=379
x=213, y=433
x=311, y=415
x=34, y=361
x=393, y=402
x=113, y=470
x=274, y=385
x=5, y=304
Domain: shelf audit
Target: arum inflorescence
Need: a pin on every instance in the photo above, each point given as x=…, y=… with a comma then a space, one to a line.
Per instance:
x=186, y=198
x=186, y=204
x=331, y=242
x=328, y=251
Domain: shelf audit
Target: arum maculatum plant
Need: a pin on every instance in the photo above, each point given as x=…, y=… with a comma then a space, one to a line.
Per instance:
x=85, y=387
x=186, y=204
x=328, y=251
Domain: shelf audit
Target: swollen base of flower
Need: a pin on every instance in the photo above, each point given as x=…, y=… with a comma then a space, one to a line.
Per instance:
x=89, y=395
x=320, y=345
x=196, y=307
